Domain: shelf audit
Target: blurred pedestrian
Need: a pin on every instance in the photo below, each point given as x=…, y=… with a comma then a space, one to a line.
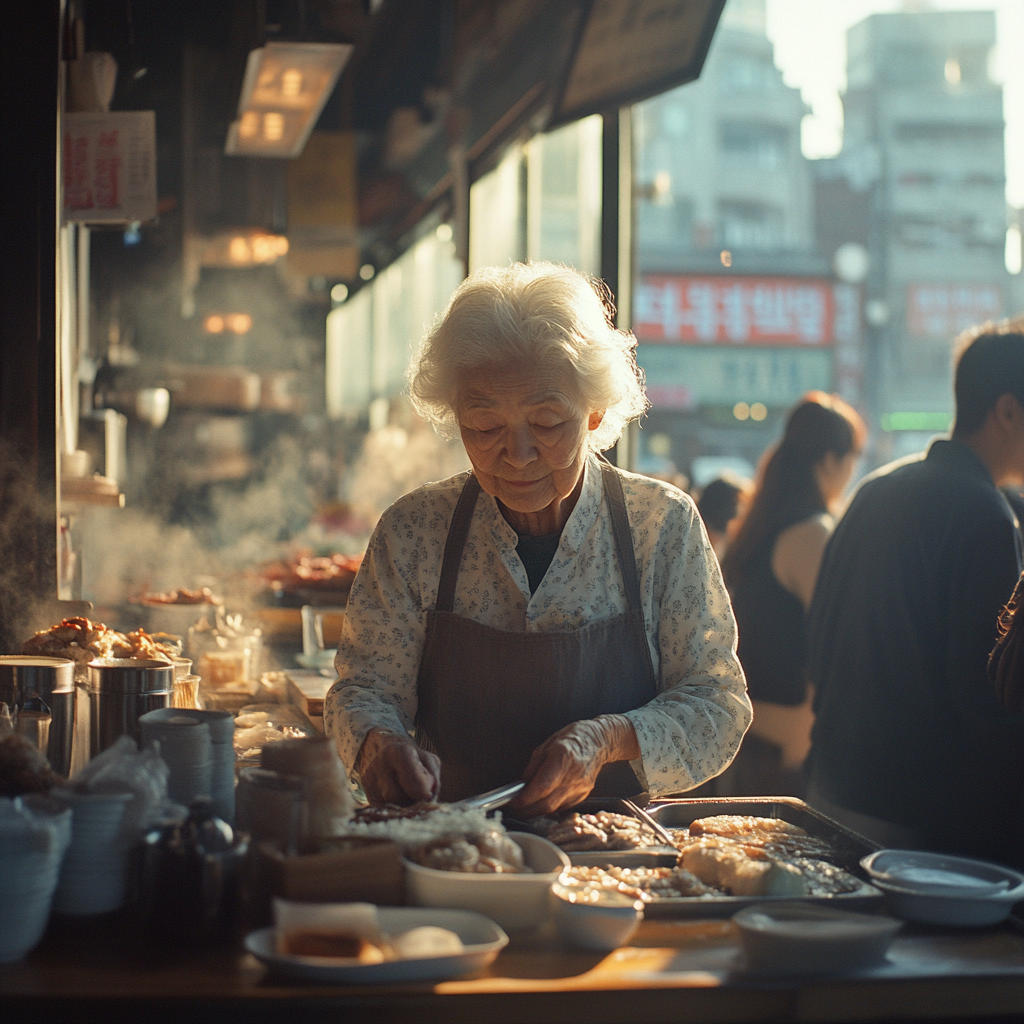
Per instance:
x=721, y=501
x=770, y=569
x=911, y=746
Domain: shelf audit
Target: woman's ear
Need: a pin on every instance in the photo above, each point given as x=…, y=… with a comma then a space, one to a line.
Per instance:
x=596, y=419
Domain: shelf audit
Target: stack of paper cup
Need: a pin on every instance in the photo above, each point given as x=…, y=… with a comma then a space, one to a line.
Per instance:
x=34, y=833
x=222, y=766
x=94, y=874
x=185, y=746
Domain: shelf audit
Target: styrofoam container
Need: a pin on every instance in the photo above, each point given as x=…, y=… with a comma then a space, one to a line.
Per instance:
x=604, y=923
x=514, y=902
x=938, y=888
x=809, y=939
x=34, y=833
x=93, y=876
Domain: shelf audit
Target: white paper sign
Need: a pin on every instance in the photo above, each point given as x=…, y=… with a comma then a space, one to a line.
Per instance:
x=109, y=167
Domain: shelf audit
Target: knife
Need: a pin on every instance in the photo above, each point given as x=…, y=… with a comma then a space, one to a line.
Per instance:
x=492, y=799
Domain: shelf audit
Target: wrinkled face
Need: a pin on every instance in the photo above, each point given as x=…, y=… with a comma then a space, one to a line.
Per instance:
x=525, y=435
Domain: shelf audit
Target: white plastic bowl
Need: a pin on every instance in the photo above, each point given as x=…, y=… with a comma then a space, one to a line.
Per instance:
x=514, y=902
x=936, y=888
x=603, y=925
x=806, y=939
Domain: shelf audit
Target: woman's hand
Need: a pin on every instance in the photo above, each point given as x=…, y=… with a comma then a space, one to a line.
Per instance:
x=394, y=770
x=563, y=769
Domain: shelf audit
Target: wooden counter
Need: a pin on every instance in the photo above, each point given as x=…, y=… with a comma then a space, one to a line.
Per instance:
x=673, y=971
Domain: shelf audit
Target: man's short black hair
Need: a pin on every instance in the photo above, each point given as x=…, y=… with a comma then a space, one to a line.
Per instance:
x=990, y=363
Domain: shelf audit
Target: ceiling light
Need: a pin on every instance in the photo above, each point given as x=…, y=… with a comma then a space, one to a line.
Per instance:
x=286, y=86
x=273, y=126
x=239, y=323
x=249, y=125
x=214, y=324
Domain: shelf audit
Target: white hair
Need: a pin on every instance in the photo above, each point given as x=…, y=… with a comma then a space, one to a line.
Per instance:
x=538, y=315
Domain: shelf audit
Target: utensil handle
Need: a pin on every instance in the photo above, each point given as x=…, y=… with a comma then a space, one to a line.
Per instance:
x=495, y=798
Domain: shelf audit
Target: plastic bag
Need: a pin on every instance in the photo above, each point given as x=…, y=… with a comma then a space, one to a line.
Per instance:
x=122, y=768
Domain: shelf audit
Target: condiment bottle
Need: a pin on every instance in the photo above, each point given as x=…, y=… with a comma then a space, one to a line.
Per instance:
x=190, y=885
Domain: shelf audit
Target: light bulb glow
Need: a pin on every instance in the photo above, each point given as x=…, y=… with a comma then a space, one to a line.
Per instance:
x=238, y=250
x=291, y=84
x=249, y=125
x=213, y=324
x=273, y=126
x=239, y=323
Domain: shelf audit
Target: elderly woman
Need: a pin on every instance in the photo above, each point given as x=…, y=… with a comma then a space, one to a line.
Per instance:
x=544, y=616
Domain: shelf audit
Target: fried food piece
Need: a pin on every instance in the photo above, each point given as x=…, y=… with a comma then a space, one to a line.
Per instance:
x=447, y=855
x=334, y=945
x=776, y=837
x=601, y=831
x=642, y=883
x=736, y=825
x=82, y=640
x=740, y=869
x=499, y=853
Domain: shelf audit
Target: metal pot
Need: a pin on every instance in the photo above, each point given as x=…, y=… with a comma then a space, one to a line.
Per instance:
x=51, y=681
x=120, y=691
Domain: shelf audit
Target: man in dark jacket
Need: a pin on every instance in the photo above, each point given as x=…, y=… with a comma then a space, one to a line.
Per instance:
x=910, y=744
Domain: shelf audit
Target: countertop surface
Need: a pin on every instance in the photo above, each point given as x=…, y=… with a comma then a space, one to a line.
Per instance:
x=673, y=970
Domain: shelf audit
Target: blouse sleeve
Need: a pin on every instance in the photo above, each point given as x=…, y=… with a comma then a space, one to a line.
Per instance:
x=380, y=648
x=691, y=731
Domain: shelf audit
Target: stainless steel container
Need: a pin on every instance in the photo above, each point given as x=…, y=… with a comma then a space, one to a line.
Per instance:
x=52, y=681
x=120, y=691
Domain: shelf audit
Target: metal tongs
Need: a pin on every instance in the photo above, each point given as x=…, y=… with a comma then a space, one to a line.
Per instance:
x=493, y=799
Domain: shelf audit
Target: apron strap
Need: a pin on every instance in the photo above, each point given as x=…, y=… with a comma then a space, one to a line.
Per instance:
x=457, y=534
x=623, y=538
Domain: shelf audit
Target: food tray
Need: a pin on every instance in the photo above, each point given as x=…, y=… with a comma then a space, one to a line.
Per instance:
x=849, y=846
x=642, y=856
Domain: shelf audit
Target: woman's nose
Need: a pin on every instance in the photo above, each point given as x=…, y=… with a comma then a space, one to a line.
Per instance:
x=520, y=448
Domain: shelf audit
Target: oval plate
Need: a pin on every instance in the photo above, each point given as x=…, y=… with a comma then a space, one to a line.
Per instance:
x=482, y=938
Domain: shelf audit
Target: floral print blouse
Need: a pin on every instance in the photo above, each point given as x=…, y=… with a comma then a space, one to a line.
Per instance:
x=687, y=734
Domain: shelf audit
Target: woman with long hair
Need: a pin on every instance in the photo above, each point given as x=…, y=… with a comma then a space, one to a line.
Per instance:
x=770, y=569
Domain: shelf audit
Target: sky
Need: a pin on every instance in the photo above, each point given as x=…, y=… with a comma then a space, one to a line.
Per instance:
x=810, y=49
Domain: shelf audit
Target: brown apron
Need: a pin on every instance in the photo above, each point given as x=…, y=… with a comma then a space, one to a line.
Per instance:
x=488, y=697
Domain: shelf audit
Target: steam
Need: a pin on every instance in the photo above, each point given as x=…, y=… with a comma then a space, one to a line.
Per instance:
x=18, y=518
x=395, y=460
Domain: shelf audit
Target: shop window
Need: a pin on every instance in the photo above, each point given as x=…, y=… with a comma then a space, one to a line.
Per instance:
x=564, y=195
x=743, y=225
x=762, y=146
x=497, y=214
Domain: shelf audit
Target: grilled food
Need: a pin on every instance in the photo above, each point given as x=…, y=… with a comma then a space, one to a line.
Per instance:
x=82, y=640
x=641, y=883
x=603, y=831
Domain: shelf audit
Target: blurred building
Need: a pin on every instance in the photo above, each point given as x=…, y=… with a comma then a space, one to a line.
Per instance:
x=920, y=183
x=734, y=307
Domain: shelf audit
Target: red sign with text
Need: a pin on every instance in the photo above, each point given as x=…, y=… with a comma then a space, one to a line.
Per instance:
x=735, y=311
x=944, y=310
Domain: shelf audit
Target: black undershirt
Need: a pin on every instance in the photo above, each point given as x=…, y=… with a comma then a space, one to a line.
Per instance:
x=537, y=554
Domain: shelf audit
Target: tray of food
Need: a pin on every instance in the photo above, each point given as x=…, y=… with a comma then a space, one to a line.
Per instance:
x=600, y=827
x=732, y=852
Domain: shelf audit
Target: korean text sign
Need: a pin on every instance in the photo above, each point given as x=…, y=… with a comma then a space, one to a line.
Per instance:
x=738, y=311
x=109, y=163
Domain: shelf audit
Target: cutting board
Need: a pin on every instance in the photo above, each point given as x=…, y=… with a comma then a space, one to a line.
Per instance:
x=307, y=690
